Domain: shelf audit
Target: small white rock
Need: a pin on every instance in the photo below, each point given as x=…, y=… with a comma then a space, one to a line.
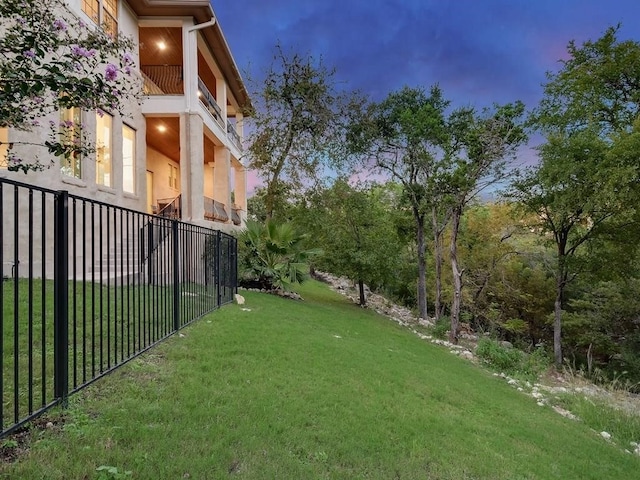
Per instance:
x=605, y=435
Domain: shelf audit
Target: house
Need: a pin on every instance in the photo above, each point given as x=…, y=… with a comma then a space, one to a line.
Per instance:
x=178, y=153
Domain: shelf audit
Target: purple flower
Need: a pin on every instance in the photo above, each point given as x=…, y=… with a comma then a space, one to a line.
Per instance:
x=127, y=58
x=59, y=25
x=111, y=72
x=29, y=53
x=79, y=51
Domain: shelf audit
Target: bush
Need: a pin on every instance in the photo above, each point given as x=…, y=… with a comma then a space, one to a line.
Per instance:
x=441, y=328
x=511, y=360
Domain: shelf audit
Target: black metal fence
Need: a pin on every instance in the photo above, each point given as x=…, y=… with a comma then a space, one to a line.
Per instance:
x=87, y=286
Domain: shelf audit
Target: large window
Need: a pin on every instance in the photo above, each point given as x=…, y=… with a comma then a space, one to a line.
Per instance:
x=104, y=123
x=128, y=159
x=173, y=176
x=4, y=147
x=71, y=133
x=103, y=12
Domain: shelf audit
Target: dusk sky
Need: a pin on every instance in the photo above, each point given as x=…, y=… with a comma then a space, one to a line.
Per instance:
x=478, y=51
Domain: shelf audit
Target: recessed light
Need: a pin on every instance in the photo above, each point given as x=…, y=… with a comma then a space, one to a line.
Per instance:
x=162, y=128
x=162, y=45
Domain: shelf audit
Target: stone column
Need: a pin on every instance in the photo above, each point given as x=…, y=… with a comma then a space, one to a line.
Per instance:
x=222, y=177
x=192, y=166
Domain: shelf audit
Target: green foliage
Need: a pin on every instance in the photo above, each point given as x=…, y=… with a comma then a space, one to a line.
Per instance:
x=511, y=360
x=441, y=328
x=52, y=61
x=355, y=231
x=273, y=255
x=297, y=124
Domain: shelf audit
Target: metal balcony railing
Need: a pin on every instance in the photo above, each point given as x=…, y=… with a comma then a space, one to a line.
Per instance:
x=209, y=101
x=233, y=135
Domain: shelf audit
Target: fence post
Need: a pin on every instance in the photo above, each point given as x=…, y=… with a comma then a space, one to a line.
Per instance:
x=61, y=296
x=217, y=271
x=176, y=275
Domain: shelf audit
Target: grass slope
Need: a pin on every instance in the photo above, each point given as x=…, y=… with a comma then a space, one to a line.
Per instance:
x=311, y=390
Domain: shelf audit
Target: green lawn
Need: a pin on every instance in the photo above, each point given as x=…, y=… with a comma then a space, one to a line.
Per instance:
x=280, y=389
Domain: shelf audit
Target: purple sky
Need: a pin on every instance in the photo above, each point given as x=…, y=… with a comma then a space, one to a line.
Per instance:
x=478, y=51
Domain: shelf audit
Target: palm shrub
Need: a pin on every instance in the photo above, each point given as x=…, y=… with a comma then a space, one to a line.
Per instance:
x=273, y=255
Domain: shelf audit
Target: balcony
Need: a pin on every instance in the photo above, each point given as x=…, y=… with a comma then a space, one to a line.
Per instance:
x=233, y=136
x=215, y=211
x=209, y=102
x=162, y=79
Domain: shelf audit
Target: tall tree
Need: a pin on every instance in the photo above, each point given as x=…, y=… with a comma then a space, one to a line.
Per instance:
x=297, y=121
x=405, y=135
x=353, y=226
x=482, y=144
x=587, y=181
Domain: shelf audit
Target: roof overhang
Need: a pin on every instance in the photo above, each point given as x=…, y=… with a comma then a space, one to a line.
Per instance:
x=201, y=12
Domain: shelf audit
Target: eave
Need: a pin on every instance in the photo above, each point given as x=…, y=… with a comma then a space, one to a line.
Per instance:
x=201, y=12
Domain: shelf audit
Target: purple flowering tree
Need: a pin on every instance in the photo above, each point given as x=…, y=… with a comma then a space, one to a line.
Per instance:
x=50, y=61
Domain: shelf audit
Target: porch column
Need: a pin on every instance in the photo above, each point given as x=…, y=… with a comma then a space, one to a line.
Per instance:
x=241, y=191
x=192, y=166
x=221, y=99
x=222, y=177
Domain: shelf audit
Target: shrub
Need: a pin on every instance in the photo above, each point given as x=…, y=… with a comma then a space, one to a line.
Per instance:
x=511, y=360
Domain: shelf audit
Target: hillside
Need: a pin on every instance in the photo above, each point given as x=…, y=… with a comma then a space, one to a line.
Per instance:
x=319, y=388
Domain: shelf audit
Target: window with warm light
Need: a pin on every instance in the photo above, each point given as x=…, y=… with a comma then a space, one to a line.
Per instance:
x=103, y=149
x=173, y=176
x=4, y=146
x=128, y=159
x=103, y=12
x=71, y=132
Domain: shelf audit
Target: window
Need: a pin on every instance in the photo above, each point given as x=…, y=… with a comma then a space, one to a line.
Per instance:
x=103, y=149
x=4, y=147
x=103, y=12
x=128, y=159
x=173, y=176
x=71, y=132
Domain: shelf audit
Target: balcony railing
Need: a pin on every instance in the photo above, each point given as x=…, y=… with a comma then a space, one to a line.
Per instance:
x=209, y=102
x=233, y=135
x=162, y=79
x=215, y=211
x=170, y=207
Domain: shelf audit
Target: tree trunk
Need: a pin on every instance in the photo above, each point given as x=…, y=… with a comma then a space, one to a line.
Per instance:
x=561, y=283
x=363, y=300
x=457, y=276
x=422, y=266
x=437, y=253
x=557, y=324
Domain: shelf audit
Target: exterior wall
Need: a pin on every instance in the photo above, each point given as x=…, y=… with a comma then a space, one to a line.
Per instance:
x=159, y=163
x=197, y=178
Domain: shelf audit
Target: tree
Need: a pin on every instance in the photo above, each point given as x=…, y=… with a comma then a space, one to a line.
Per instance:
x=354, y=228
x=586, y=185
x=405, y=135
x=298, y=119
x=50, y=61
x=481, y=146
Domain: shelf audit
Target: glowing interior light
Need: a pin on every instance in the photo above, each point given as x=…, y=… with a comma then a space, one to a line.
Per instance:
x=162, y=128
x=162, y=45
